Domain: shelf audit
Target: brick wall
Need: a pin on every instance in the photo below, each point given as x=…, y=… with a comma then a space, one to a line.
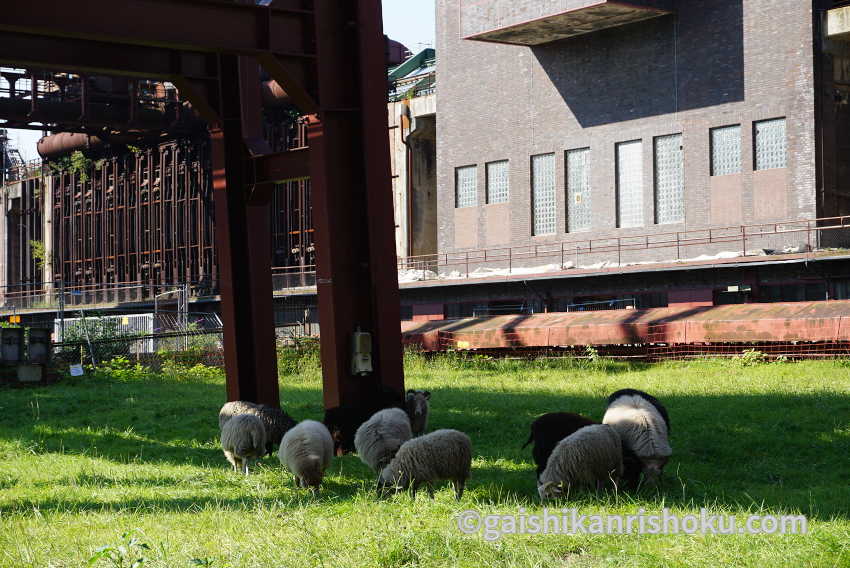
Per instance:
x=715, y=63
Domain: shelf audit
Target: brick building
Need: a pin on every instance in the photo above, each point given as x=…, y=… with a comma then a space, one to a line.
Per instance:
x=574, y=119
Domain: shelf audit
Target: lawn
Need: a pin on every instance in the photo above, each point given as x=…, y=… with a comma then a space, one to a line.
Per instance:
x=127, y=458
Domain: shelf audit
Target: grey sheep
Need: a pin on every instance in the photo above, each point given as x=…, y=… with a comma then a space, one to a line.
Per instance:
x=243, y=440
x=643, y=424
x=275, y=420
x=306, y=451
x=588, y=458
x=379, y=438
x=443, y=454
x=418, y=407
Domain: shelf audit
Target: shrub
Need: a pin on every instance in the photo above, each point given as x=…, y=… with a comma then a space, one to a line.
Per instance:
x=751, y=357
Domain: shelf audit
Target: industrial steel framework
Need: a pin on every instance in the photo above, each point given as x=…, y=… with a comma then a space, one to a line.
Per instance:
x=329, y=57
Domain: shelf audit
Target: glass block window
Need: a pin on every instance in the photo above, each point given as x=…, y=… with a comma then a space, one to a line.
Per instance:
x=770, y=144
x=726, y=150
x=543, y=193
x=630, y=184
x=669, y=180
x=578, y=190
x=497, y=182
x=466, y=186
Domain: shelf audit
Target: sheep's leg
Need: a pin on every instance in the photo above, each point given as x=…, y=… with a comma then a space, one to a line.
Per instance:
x=459, y=485
x=413, y=489
x=430, y=490
x=245, y=467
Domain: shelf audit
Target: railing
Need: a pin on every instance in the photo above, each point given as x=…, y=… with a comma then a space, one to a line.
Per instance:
x=289, y=277
x=51, y=296
x=25, y=170
x=620, y=252
x=624, y=304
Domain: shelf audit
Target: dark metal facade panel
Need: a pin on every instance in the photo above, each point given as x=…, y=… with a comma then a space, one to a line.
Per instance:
x=143, y=218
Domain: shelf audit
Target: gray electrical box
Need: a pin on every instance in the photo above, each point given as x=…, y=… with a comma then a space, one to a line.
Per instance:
x=38, y=346
x=11, y=344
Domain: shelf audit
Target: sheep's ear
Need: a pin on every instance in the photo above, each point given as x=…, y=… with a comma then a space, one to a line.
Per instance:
x=427, y=395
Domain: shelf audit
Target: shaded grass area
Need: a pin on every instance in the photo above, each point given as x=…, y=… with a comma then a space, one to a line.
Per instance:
x=124, y=450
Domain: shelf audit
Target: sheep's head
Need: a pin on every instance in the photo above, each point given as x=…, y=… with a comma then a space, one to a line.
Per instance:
x=550, y=490
x=653, y=468
x=312, y=476
x=390, y=480
x=417, y=402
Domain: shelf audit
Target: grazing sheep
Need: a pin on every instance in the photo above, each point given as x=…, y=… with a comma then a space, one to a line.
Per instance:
x=443, y=454
x=588, y=458
x=649, y=398
x=243, y=439
x=379, y=438
x=306, y=451
x=417, y=409
x=548, y=430
x=343, y=421
x=275, y=420
x=643, y=425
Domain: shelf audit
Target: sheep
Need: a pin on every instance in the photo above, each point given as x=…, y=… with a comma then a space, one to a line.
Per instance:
x=643, y=424
x=548, y=430
x=443, y=454
x=306, y=451
x=590, y=457
x=343, y=421
x=379, y=438
x=243, y=439
x=649, y=398
x=417, y=409
x=275, y=420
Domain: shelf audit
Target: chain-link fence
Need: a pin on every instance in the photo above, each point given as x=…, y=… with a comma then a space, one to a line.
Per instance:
x=192, y=346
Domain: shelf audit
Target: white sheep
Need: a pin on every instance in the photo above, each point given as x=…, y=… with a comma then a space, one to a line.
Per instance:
x=443, y=454
x=589, y=458
x=379, y=438
x=643, y=428
x=416, y=403
x=275, y=420
x=306, y=451
x=243, y=440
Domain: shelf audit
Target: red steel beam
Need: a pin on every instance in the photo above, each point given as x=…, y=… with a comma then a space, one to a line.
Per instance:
x=281, y=166
x=215, y=26
x=243, y=235
x=352, y=210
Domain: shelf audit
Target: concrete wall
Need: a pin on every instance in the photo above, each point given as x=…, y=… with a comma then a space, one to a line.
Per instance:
x=716, y=63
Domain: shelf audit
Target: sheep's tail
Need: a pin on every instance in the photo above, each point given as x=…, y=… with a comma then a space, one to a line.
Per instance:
x=530, y=439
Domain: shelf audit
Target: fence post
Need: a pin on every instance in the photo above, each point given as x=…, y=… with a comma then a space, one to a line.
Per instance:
x=619, y=254
x=809, y=237
x=510, y=260
x=467, y=264
x=678, y=252
x=744, y=240
x=562, y=256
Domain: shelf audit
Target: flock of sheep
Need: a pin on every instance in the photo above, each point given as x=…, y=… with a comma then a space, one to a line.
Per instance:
x=571, y=451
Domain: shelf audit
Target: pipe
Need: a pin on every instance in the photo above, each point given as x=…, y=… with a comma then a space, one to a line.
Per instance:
x=404, y=117
x=64, y=143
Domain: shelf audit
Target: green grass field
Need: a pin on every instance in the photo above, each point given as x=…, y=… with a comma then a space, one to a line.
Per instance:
x=88, y=460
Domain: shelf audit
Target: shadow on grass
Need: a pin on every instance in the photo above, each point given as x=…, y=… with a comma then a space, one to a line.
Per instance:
x=785, y=451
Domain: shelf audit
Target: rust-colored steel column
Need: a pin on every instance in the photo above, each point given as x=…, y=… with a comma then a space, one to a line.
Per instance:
x=352, y=212
x=243, y=239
